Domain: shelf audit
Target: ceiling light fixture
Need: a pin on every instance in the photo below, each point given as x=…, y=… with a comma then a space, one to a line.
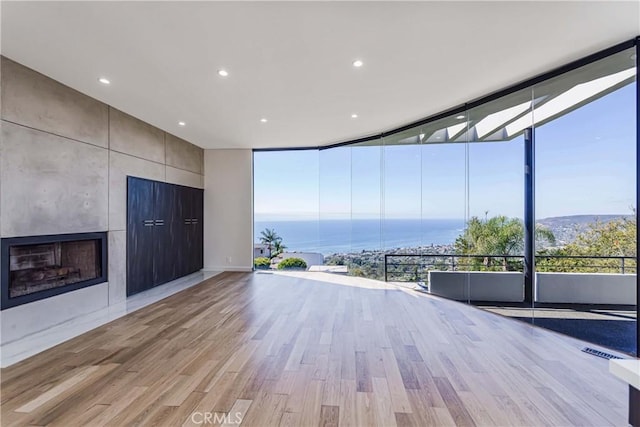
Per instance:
x=223, y=73
x=460, y=117
x=354, y=116
x=263, y=120
x=104, y=81
x=358, y=63
x=633, y=56
x=182, y=124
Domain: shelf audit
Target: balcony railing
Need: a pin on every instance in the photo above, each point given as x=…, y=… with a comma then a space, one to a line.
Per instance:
x=416, y=267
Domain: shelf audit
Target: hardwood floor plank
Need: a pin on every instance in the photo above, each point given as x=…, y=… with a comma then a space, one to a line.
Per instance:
x=454, y=404
x=363, y=376
x=56, y=391
x=238, y=412
x=329, y=416
x=293, y=350
x=397, y=389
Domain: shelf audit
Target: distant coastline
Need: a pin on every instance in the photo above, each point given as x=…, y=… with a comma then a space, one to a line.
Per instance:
x=370, y=237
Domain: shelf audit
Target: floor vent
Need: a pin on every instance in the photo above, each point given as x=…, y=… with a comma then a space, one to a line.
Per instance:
x=598, y=353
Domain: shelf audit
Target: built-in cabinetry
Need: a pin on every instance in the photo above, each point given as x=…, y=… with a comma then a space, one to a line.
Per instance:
x=164, y=233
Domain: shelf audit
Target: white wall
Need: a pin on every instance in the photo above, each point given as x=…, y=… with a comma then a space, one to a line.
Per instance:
x=228, y=210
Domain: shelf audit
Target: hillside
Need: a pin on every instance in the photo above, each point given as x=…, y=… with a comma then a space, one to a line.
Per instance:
x=566, y=228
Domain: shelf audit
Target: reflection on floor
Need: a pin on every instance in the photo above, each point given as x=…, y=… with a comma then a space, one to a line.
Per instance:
x=312, y=349
x=613, y=327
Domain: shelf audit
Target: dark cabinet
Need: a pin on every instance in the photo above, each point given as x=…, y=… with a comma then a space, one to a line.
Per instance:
x=140, y=230
x=164, y=233
x=192, y=202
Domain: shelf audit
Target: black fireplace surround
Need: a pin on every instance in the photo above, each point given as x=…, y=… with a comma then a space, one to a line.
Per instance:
x=38, y=267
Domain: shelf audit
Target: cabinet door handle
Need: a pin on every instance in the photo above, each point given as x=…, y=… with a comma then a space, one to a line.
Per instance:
x=159, y=222
x=187, y=221
x=148, y=222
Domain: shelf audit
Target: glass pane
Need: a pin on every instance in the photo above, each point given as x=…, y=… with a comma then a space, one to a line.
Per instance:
x=366, y=206
x=286, y=204
x=444, y=205
x=402, y=206
x=586, y=187
x=494, y=239
x=335, y=207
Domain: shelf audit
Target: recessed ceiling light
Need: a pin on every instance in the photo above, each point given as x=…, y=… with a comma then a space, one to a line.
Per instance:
x=104, y=81
x=633, y=56
x=358, y=63
x=460, y=117
x=263, y=120
x=354, y=116
x=182, y=124
x=223, y=73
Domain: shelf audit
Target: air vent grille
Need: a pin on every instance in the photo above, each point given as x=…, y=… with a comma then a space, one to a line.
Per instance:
x=599, y=353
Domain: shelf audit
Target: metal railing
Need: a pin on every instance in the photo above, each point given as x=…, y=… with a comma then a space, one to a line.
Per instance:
x=416, y=267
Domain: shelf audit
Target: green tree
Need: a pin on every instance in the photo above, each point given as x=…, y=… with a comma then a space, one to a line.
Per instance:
x=261, y=263
x=269, y=237
x=498, y=238
x=278, y=248
x=615, y=238
x=292, y=264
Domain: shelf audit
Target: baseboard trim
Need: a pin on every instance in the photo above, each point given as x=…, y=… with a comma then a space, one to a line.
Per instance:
x=229, y=268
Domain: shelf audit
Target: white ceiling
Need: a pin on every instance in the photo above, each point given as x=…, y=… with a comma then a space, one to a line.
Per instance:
x=291, y=62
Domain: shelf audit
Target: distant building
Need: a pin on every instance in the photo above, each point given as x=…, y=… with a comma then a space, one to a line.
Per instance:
x=261, y=250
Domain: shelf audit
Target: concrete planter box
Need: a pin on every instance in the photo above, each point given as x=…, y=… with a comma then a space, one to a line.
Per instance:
x=586, y=288
x=483, y=285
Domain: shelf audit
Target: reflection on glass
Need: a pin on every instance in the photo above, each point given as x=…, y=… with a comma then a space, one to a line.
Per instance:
x=492, y=246
x=586, y=186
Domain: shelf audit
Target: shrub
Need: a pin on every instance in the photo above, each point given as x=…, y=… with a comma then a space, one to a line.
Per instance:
x=292, y=263
x=261, y=262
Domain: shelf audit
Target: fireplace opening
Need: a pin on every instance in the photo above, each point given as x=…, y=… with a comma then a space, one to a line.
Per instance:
x=39, y=267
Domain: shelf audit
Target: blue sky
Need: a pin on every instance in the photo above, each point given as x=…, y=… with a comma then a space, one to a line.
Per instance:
x=585, y=165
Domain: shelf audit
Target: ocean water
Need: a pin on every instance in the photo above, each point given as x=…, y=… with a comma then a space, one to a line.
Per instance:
x=343, y=236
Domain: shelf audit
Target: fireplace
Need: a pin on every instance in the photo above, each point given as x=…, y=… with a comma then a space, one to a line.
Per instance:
x=39, y=267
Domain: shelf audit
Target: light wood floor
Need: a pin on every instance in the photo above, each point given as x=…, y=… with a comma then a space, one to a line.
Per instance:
x=284, y=350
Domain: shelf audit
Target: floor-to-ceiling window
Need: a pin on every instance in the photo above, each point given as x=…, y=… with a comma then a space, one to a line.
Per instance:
x=286, y=204
x=523, y=204
x=585, y=151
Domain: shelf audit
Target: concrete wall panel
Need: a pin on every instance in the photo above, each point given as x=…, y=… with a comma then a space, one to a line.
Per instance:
x=34, y=100
x=183, y=177
x=117, y=266
x=184, y=155
x=586, y=288
x=129, y=135
x=50, y=184
x=478, y=285
x=27, y=319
